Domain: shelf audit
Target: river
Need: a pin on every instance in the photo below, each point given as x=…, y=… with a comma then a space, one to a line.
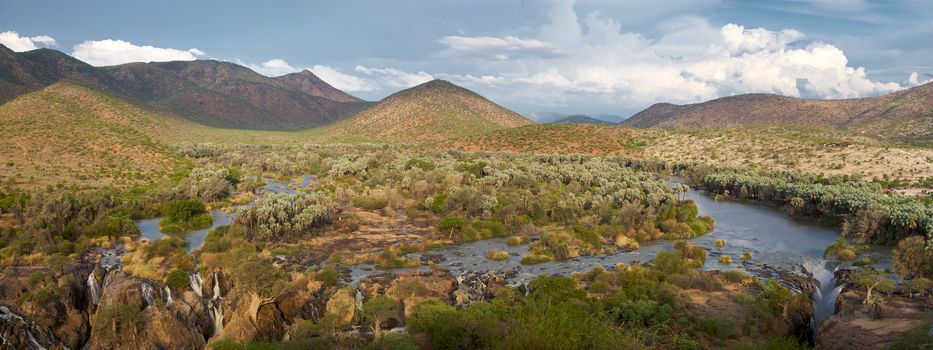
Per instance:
x=774, y=240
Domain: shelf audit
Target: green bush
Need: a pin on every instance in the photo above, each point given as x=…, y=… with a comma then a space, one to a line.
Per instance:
x=450, y=224
x=177, y=279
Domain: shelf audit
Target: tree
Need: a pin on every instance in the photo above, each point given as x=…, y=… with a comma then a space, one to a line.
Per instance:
x=263, y=282
x=377, y=310
x=872, y=280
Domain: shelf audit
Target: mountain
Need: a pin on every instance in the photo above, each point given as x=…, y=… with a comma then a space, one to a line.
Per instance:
x=552, y=117
x=307, y=82
x=579, y=119
x=433, y=111
x=906, y=114
x=214, y=93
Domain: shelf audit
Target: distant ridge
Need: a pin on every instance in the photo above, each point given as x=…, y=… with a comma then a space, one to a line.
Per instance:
x=579, y=119
x=432, y=111
x=215, y=93
x=906, y=114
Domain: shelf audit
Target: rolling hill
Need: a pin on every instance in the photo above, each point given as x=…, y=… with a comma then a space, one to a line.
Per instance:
x=214, y=93
x=905, y=115
x=69, y=133
x=436, y=110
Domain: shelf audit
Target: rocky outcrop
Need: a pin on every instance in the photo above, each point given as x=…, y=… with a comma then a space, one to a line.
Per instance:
x=859, y=326
x=150, y=316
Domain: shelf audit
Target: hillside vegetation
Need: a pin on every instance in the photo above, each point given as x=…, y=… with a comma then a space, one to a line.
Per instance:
x=905, y=116
x=69, y=133
x=758, y=147
x=433, y=111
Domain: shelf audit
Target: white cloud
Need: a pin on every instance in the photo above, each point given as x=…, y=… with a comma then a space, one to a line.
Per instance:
x=17, y=43
x=395, y=78
x=272, y=68
x=914, y=80
x=343, y=81
x=112, y=52
x=498, y=48
x=686, y=60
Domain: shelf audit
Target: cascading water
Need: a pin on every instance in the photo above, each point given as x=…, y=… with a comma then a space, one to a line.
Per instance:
x=359, y=299
x=215, y=306
x=93, y=288
x=37, y=338
x=824, y=297
x=216, y=286
x=168, y=296
x=149, y=294
x=217, y=316
x=196, y=282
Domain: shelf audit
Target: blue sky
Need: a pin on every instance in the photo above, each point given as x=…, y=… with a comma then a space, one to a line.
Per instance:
x=585, y=56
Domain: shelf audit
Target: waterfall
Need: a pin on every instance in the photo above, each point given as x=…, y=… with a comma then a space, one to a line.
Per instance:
x=195, y=280
x=216, y=286
x=824, y=297
x=217, y=316
x=148, y=294
x=359, y=299
x=168, y=296
x=37, y=337
x=215, y=306
x=93, y=288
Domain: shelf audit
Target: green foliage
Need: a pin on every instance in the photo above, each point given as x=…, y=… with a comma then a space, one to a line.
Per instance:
x=918, y=338
x=840, y=250
x=450, y=224
x=396, y=341
x=119, y=325
x=328, y=275
x=177, y=279
x=184, y=215
x=225, y=344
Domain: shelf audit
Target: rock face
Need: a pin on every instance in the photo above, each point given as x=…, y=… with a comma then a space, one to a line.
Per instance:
x=157, y=318
x=61, y=322
x=859, y=326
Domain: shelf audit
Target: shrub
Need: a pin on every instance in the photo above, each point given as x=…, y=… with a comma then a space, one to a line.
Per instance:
x=490, y=229
x=177, y=279
x=497, y=255
x=517, y=240
x=328, y=275
x=746, y=256
x=533, y=258
x=670, y=263
x=725, y=259
x=917, y=338
x=370, y=203
x=449, y=224
x=720, y=243
x=912, y=257
x=840, y=250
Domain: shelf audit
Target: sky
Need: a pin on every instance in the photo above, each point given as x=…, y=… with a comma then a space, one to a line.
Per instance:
x=565, y=56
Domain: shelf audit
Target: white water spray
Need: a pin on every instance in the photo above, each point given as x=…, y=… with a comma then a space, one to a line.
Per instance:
x=196, y=283
x=93, y=288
